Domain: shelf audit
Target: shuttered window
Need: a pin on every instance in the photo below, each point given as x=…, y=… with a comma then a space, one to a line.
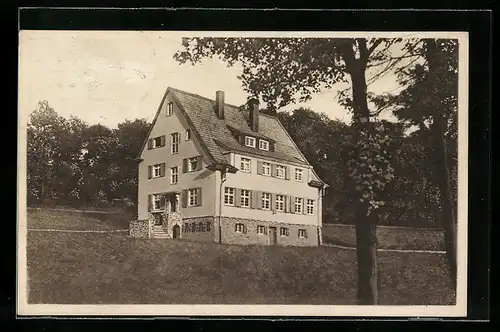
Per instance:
x=298, y=206
x=266, y=201
x=280, y=171
x=310, y=206
x=229, y=196
x=175, y=139
x=157, y=170
x=280, y=203
x=245, y=198
x=170, y=109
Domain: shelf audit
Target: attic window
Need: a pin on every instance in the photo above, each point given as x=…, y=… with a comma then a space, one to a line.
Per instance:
x=250, y=141
x=264, y=145
x=170, y=109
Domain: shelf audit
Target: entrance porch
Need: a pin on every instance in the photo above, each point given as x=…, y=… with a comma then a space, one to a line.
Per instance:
x=164, y=216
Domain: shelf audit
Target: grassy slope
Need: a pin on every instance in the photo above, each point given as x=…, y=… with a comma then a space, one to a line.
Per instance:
x=50, y=219
x=112, y=268
x=388, y=238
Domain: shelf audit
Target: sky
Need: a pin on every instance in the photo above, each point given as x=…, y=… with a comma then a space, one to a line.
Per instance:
x=109, y=76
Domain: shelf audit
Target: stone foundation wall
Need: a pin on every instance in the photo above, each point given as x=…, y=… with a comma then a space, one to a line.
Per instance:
x=250, y=235
x=139, y=229
x=196, y=229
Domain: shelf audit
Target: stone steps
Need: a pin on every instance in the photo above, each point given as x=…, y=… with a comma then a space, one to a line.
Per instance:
x=159, y=233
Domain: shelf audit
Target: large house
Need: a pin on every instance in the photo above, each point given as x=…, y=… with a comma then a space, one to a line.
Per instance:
x=211, y=171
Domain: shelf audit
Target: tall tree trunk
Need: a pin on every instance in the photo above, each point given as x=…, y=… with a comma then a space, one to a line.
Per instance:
x=366, y=241
x=366, y=245
x=442, y=169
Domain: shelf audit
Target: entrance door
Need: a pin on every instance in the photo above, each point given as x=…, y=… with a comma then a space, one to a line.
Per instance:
x=176, y=231
x=173, y=204
x=272, y=236
x=158, y=219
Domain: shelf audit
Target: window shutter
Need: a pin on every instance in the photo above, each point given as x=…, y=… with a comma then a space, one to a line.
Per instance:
x=253, y=199
x=273, y=170
x=198, y=198
x=244, y=229
x=184, y=165
x=259, y=167
x=162, y=169
x=162, y=139
x=199, y=163
x=184, y=198
x=287, y=173
x=163, y=201
x=150, y=144
x=286, y=204
x=150, y=202
x=273, y=202
x=259, y=199
x=150, y=172
x=237, y=197
x=304, y=205
x=292, y=204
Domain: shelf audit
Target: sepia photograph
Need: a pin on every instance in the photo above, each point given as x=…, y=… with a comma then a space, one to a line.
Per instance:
x=242, y=173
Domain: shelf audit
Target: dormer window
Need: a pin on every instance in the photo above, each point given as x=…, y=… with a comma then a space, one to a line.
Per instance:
x=264, y=145
x=250, y=141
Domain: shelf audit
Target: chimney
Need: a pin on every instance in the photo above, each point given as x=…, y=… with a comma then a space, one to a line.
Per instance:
x=219, y=104
x=254, y=114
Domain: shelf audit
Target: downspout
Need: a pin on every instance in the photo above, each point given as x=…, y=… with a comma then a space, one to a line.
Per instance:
x=223, y=179
x=320, y=213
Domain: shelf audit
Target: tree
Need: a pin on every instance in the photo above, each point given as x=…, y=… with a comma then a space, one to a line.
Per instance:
x=130, y=135
x=429, y=101
x=283, y=70
x=321, y=139
x=44, y=151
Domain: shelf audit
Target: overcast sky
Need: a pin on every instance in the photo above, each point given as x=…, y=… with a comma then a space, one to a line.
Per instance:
x=107, y=77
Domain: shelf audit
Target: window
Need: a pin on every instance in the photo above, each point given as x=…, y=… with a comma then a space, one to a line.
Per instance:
x=188, y=134
x=156, y=142
x=250, y=141
x=280, y=203
x=310, y=206
x=280, y=171
x=245, y=198
x=302, y=233
x=266, y=169
x=170, y=109
x=239, y=228
x=263, y=145
x=298, y=204
x=261, y=229
x=284, y=231
x=298, y=175
x=158, y=202
x=192, y=197
x=266, y=201
x=174, y=175
x=175, y=143
x=192, y=164
x=228, y=196
x=157, y=170
x=245, y=165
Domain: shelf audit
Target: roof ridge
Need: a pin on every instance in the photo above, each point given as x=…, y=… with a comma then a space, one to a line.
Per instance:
x=198, y=96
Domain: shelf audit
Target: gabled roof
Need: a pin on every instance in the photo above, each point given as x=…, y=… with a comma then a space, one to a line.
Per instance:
x=215, y=134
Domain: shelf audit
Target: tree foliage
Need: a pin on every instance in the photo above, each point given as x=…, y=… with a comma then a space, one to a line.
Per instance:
x=74, y=163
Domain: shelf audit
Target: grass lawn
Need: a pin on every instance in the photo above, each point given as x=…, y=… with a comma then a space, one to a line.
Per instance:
x=388, y=238
x=52, y=219
x=110, y=268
